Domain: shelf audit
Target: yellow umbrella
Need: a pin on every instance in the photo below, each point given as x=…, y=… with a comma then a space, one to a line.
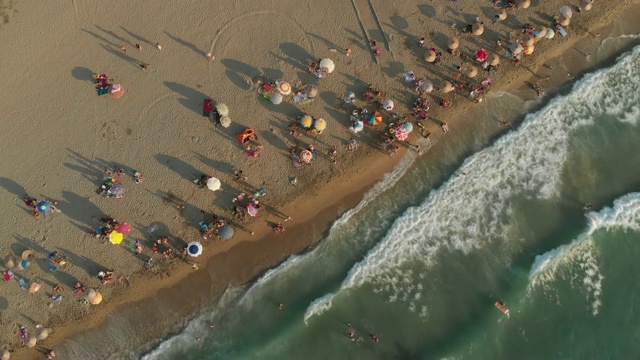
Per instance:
x=528, y=49
x=115, y=237
x=96, y=300
x=320, y=125
x=306, y=121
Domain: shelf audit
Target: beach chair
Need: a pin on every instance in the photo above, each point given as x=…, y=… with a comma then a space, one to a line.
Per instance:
x=53, y=267
x=206, y=108
x=23, y=283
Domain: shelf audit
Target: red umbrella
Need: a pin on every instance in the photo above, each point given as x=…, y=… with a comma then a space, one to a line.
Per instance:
x=481, y=55
x=123, y=228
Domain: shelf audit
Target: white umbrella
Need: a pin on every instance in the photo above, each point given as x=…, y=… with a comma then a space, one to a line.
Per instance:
x=328, y=64
x=5, y=354
x=453, y=43
x=32, y=342
x=426, y=87
x=564, y=21
x=223, y=109
x=194, y=249
x=275, y=98
x=225, y=121
x=41, y=332
x=388, y=104
x=550, y=34
x=213, y=184
x=566, y=11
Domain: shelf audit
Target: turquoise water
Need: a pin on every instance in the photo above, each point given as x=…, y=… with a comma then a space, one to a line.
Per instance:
x=421, y=268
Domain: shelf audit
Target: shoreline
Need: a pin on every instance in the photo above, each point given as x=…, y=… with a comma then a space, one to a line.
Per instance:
x=307, y=225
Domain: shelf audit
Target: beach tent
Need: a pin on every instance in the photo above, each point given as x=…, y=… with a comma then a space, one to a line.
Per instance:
x=115, y=237
x=311, y=91
x=306, y=121
x=213, y=184
x=194, y=249
x=275, y=98
x=453, y=43
x=388, y=105
x=246, y=135
x=41, y=332
x=223, y=109
x=123, y=228
x=320, y=125
x=283, y=87
x=430, y=56
x=225, y=232
x=328, y=65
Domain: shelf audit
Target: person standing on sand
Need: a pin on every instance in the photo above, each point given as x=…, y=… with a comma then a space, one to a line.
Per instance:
x=138, y=47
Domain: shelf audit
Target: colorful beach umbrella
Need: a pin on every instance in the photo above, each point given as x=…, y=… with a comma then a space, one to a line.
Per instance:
x=115, y=237
x=116, y=90
x=123, y=228
x=388, y=105
x=356, y=127
x=306, y=121
x=213, y=184
x=374, y=118
x=223, y=109
x=401, y=134
x=306, y=156
x=328, y=65
x=320, y=125
x=44, y=207
x=275, y=98
x=284, y=88
x=481, y=55
x=116, y=190
x=225, y=232
x=252, y=210
x=194, y=249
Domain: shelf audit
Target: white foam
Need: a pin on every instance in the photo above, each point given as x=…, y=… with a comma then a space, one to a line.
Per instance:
x=318, y=307
x=473, y=208
x=578, y=260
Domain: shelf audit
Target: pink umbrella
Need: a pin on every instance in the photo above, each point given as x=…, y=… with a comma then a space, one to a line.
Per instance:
x=401, y=133
x=123, y=228
x=481, y=55
x=306, y=156
x=252, y=210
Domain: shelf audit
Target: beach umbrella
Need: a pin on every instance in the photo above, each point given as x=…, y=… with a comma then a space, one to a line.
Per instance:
x=123, y=228
x=115, y=237
x=223, y=109
x=529, y=41
x=10, y=262
x=469, y=70
x=275, y=98
x=23, y=264
x=446, y=86
x=493, y=59
x=426, y=87
x=306, y=121
x=213, y=184
x=327, y=64
x=284, y=88
x=311, y=91
x=374, y=118
x=453, y=43
x=550, y=34
x=430, y=56
x=306, y=156
x=320, y=125
x=586, y=4
x=225, y=121
x=32, y=342
x=34, y=287
x=524, y=4
x=566, y=11
x=477, y=29
x=225, y=232
x=252, y=209
x=540, y=31
x=116, y=190
x=356, y=127
x=528, y=49
x=41, y=332
x=564, y=21
x=116, y=90
x=90, y=294
x=44, y=207
x=401, y=134
x=5, y=354
x=481, y=55
x=27, y=254
x=97, y=300
x=516, y=48
x=502, y=15
x=408, y=127
x=388, y=105
x=194, y=249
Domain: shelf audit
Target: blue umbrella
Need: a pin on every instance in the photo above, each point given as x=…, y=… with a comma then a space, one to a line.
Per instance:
x=408, y=126
x=225, y=232
x=194, y=248
x=44, y=207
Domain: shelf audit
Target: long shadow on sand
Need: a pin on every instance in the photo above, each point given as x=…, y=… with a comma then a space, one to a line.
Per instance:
x=91, y=267
x=191, y=98
x=186, y=44
x=185, y=170
x=12, y=187
x=82, y=74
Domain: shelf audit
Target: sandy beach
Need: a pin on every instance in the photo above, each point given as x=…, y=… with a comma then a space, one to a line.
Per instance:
x=59, y=136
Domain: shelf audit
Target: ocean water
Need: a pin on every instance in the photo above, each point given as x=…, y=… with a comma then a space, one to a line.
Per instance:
x=421, y=260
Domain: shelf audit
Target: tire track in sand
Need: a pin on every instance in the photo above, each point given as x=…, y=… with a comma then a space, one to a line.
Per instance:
x=370, y=24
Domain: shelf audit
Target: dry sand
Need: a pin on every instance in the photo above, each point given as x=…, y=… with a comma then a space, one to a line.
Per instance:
x=58, y=135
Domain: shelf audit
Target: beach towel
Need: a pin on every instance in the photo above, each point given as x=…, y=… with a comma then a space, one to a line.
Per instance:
x=23, y=283
x=102, y=90
x=206, y=109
